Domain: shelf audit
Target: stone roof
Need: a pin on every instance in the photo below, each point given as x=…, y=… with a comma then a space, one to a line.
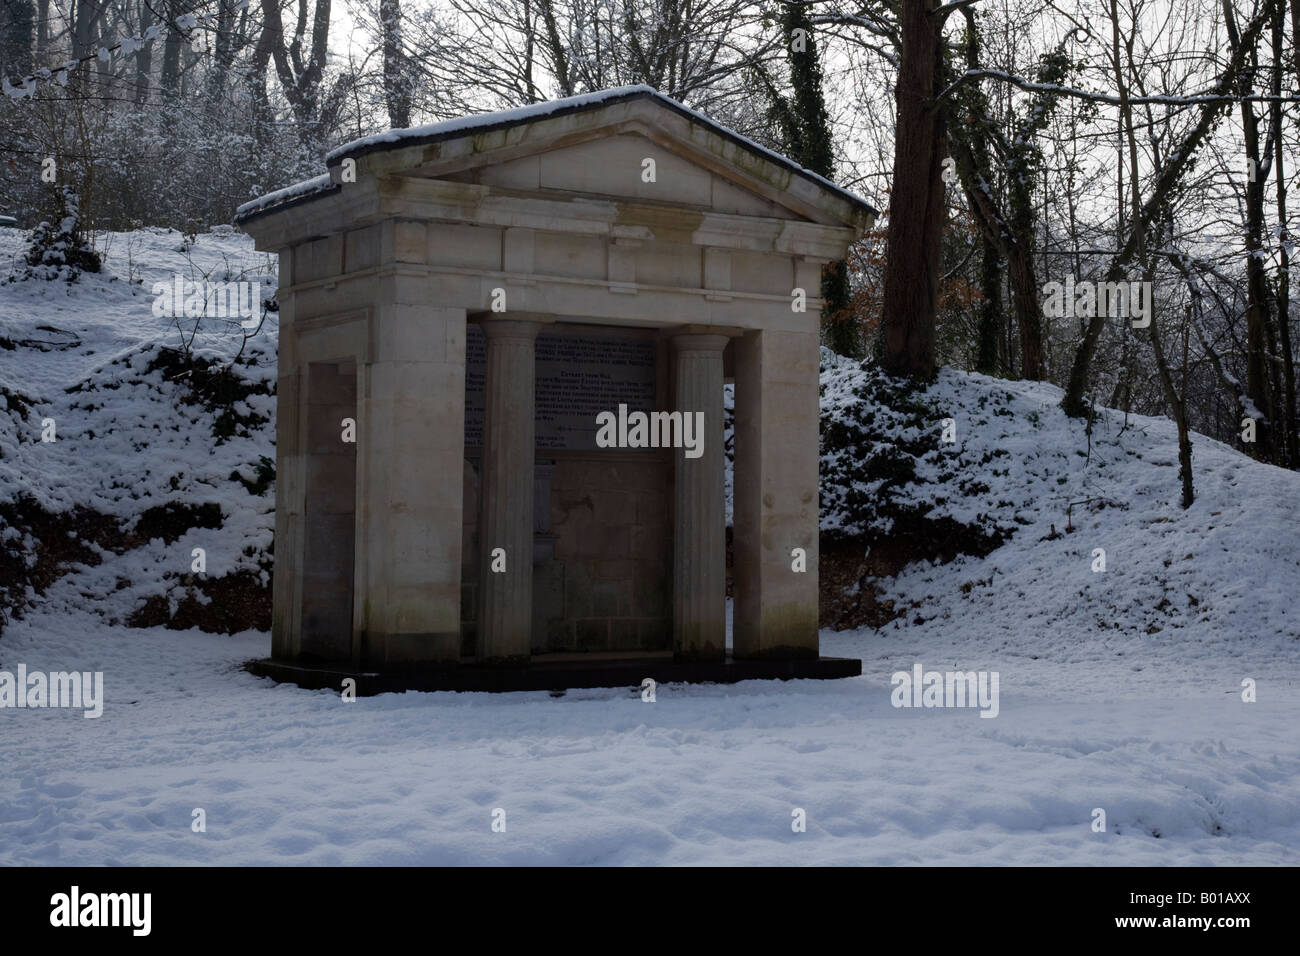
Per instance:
x=504, y=119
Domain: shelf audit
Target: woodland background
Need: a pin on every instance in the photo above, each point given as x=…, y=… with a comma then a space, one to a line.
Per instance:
x=1142, y=140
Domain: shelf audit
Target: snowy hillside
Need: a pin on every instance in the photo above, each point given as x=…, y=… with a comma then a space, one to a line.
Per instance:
x=152, y=456
x=1222, y=575
x=1120, y=689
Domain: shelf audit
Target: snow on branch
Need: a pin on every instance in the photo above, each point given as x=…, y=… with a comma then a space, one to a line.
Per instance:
x=1196, y=99
x=127, y=46
x=951, y=7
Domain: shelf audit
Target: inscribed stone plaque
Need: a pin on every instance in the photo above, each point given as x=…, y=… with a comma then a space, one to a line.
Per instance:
x=578, y=376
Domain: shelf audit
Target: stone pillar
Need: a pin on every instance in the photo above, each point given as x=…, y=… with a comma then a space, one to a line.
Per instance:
x=329, y=516
x=699, y=531
x=775, y=513
x=505, y=598
x=286, y=578
x=410, y=448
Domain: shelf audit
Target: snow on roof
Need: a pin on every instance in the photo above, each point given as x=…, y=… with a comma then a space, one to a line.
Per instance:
x=453, y=129
x=308, y=187
x=449, y=129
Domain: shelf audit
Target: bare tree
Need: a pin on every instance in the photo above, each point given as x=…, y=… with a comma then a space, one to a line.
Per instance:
x=916, y=207
x=397, y=80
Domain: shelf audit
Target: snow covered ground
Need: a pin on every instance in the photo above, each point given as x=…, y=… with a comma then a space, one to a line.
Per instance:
x=1119, y=690
x=706, y=774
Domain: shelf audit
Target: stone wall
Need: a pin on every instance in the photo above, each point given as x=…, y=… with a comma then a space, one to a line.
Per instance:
x=601, y=570
x=330, y=511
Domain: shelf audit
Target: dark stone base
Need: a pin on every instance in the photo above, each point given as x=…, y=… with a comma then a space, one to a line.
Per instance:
x=560, y=672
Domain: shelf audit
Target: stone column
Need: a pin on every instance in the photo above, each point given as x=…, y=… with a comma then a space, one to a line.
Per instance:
x=290, y=493
x=775, y=513
x=699, y=532
x=505, y=597
x=410, y=448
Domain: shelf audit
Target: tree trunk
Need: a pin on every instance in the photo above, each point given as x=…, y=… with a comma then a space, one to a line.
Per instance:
x=143, y=57
x=1177, y=402
x=559, y=58
x=17, y=31
x=171, y=63
x=397, y=89
x=1292, y=432
x=1258, y=386
x=1024, y=285
x=85, y=27
x=263, y=117
x=223, y=53
x=1178, y=408
x=300, y=79
x=986, y=335
x=42, y=30
x=808, y=140
x=1008, y=237
x=916, y=202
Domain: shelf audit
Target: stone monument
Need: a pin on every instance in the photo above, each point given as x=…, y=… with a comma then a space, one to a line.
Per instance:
x=503, y=346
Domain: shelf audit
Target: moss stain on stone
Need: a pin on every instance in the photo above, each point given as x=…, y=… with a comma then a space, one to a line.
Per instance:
x=775, y=176
x=667, y=225
x=787, y=628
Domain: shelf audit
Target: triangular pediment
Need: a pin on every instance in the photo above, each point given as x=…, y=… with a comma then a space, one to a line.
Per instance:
x=596, y=145
x=624, y=165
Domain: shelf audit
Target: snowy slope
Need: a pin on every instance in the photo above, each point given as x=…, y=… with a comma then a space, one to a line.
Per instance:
x=1218, y=580
x=1119, y=690
x=131, y=435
